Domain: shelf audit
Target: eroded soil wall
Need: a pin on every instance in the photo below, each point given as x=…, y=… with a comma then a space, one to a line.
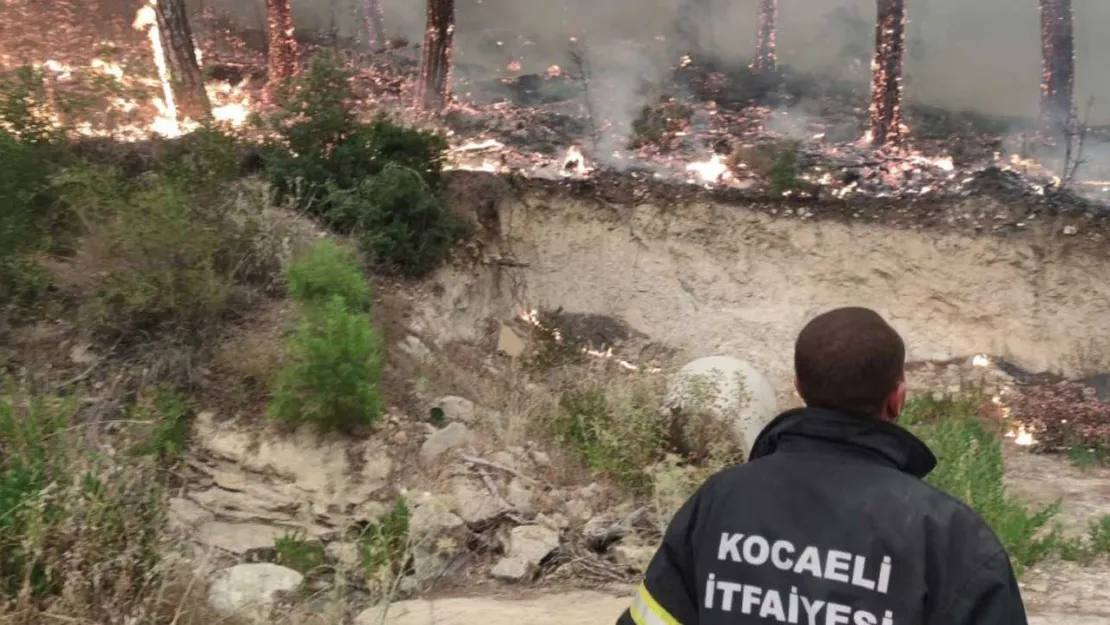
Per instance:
x=710, y=277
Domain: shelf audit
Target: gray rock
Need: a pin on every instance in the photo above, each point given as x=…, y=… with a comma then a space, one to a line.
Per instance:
x=521, y=497
x=728, y=388
x=474, y=504
x=635, y=557
x=509, y=342
x=457, y=408
x=430, y=518
x=249, y=591
x=239, y=538
x=528, y=546
x=453, y=436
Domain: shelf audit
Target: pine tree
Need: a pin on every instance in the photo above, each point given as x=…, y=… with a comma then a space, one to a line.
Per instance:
x=886, y=73
x=179, y=48
x=765, y=60
x=375, y=24
x=283, y=48
x=1057, y=63
x=433, y=90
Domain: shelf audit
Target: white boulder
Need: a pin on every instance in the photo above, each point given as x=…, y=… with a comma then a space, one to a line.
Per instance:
x=729, y=389
x=249, y=591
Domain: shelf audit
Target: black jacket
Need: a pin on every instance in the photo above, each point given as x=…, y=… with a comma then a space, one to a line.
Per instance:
x=829, y=523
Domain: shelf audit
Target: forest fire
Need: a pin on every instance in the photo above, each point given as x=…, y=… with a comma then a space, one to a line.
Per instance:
x=506, y=126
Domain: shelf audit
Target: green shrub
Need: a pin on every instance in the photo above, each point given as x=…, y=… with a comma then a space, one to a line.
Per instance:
x=617, y=436
x=327, y=270
x=166, y=268
x=399, y=219
x=166, y=414
x=333, y=370
x=384, y=546
x=203, y=161
x=24, y=196
x=322, y=142
x=299, y=553
x=79, y=529
x=30, y=150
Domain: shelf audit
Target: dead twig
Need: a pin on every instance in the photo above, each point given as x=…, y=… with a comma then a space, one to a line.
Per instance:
x=1075, y=139
x=494, y=465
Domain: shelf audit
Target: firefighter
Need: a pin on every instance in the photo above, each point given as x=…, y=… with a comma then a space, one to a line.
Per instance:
x=829, y=522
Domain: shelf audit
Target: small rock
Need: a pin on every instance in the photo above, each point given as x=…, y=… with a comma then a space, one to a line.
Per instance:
x=521, y=497
x=509, y=343
x=346, y=554
x=528, y=546
x=453, y=436
x=457, y=408
x=541, y=459
x=414, y=347
x=474, y=505
x=555, y=521
x=431, y=518
x=635, y=557
x=229, y=480
x=249, y=591
x=578, y=509
x=1070, y=230
x=591, y=492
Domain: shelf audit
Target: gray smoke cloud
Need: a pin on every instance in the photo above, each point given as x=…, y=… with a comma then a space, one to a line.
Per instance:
x=982, y=55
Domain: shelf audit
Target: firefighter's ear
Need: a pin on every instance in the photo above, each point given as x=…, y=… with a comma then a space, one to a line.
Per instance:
x=892, y=408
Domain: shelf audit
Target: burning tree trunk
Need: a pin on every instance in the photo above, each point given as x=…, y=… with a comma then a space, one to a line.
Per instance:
x=1057, y=62
x=886, y=73
x=765, y=37
x=375, y=24
x=435, y=64
x=179, y=48
x=283, y=48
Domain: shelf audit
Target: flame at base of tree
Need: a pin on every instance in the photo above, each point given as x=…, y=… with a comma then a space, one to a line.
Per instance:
x=179, y=48
x=1057, y=62
x=283, y=48
x=433, y=90
x=886, y=73
x=765, y=60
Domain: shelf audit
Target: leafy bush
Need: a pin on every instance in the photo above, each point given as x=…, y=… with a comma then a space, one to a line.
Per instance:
x=79, y=529
x=377, y=180
x=29, y=150
x=165, y=253
x=327, y=270
x=970, y=468
x=333, y=370
x=322, y=142
x=399, y=219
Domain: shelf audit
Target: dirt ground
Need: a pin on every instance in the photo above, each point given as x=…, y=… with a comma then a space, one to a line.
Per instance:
x=1055, y=592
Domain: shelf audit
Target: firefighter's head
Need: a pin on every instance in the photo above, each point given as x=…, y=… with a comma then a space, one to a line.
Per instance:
x=851, y=360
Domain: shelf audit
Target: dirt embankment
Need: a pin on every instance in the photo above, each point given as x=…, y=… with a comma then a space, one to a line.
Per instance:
x=711, y=273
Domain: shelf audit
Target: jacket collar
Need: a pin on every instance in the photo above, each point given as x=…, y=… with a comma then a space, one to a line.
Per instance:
x=819, y=430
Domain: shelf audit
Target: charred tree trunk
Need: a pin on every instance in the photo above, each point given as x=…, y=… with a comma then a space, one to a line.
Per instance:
x=1057, y=63
x=432, y=91
x=179, y=48
x=886, y=73
x=283, y=48
x=375, y=24
x=765, y=60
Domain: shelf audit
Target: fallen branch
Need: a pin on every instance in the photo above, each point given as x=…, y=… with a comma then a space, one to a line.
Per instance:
x=494, y=465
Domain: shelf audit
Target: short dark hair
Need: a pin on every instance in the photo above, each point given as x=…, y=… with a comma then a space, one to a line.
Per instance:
x=848, y=360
